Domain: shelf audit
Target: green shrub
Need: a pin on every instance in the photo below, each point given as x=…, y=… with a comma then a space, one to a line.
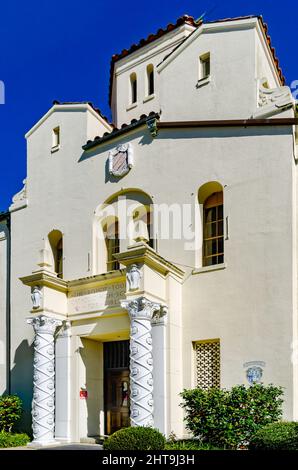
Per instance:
x=189, y=444
x=276, y=436
x=135, y=438
x=228, y=418
x=8, y=439
x=10, y=411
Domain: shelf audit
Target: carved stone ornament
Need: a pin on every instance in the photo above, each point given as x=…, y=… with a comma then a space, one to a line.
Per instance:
x=21, y=195
x=254, y=374
x=159, y=315
x=278, y=97
x=43, y=404
x=254, y=371
x=133, y=277
x=19, y=200
x=141, y=312
x=121, y=160
x=36, y=297
x=152, y=126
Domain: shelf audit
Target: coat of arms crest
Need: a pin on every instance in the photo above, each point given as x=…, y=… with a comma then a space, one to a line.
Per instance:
x=254, y=371
x=120, y=160
x=254, y=374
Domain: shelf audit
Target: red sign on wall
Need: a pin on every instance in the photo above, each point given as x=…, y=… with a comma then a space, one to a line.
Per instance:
x=83, y=394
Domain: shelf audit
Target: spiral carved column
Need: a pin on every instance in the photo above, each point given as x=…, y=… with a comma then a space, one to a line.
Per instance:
x=141, y=312
x=43, y=404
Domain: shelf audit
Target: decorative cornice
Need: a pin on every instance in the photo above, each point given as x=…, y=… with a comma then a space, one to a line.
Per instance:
x=44, y=279
x=47, y=279
x=142, y=253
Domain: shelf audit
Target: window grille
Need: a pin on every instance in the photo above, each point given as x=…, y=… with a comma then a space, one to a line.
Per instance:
x=208, y=364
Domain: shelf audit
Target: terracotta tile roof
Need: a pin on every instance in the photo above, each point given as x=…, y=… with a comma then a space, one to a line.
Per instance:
x=272, y=49
x=84, y=102
x=134, y=123
x=186, y=19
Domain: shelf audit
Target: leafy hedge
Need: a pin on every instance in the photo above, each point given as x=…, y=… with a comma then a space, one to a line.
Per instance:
x=189, y=444
x=10, y=411
x=8, y=439
x=229, y=418
x=135, y=438
x=276, y=436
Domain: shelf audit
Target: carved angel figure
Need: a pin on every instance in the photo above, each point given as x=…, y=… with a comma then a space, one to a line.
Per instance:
x=133, y=278
x=36, y=296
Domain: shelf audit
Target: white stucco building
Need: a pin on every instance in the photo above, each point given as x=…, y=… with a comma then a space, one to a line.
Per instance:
x=172, y=231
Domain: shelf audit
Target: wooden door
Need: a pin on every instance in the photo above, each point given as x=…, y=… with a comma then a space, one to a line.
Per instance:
x=117, y=400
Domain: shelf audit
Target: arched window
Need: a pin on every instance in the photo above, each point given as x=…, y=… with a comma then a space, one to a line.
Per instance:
x=56, y=243
x=112, y=244
x=133, y=88
x=150, y=79
x=213, y=230
x=125, y=218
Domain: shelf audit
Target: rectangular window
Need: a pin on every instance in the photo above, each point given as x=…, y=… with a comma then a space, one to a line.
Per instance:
x=204, y=66
x=208, y=363
x=56, y=137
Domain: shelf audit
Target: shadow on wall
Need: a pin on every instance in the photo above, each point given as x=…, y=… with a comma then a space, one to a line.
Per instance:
x=22, y=383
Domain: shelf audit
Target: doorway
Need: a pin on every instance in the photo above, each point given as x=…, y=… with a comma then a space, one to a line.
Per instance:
x=117, y=389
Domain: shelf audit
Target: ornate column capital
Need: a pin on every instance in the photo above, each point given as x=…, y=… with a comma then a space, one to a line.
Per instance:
x=159, y=315
x=44, y=325
x=141, y=308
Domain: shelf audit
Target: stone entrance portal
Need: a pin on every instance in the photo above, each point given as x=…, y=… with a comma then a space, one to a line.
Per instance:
x=113, y=349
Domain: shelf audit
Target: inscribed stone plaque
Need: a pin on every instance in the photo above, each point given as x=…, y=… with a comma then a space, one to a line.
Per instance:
x=93, y=300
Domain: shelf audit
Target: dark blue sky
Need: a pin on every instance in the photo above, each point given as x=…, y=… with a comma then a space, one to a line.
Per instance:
x=61, y=50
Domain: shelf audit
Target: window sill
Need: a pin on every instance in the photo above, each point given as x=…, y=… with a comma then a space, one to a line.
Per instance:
x=131, y=106
x=203, y=81
x=55, y=149
x=149, y=98
x=207, y=269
